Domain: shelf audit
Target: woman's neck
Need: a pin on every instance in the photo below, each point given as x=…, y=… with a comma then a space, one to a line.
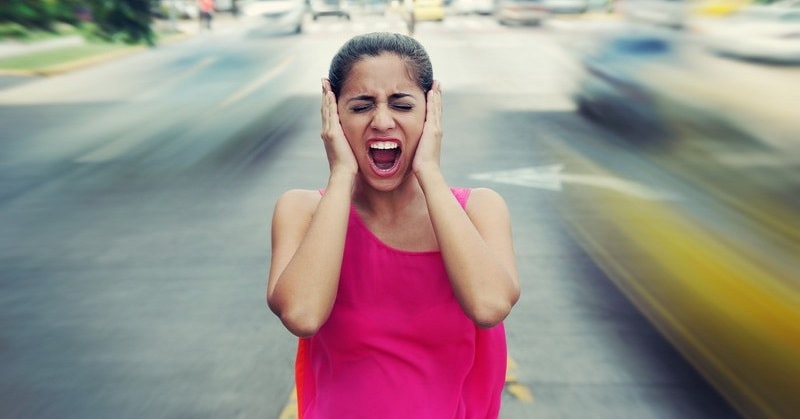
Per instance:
x=406, y=197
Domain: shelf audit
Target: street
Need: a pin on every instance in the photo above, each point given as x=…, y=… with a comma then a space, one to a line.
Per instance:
x=135, y=207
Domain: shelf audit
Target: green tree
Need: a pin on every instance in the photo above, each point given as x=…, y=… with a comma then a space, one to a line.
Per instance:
x=34, y=14
x=128, y=21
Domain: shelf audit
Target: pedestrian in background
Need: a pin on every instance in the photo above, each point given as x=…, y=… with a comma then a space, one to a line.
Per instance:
x=206, y=13
x=396, y=283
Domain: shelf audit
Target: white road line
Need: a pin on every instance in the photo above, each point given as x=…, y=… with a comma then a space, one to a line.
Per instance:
x=255, y=84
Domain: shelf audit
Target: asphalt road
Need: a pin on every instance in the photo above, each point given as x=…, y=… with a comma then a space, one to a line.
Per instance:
x=134, y=227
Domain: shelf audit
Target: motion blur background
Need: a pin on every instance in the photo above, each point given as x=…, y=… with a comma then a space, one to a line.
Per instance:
x=649, y=151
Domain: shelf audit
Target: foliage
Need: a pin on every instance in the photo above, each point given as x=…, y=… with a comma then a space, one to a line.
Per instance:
x=13, y=30
x=127, y=21
x=40, y=14
x=123, y=20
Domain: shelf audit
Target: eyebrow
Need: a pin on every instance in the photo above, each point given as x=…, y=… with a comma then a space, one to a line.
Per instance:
x=372, y=98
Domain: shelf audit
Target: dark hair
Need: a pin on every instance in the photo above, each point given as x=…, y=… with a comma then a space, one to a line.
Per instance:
x=375, y=44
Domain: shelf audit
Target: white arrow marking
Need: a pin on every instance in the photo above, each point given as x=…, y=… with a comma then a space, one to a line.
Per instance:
x=543, y=177
x=551, y=178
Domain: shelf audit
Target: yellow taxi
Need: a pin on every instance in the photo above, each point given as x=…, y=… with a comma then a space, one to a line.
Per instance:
x=427, y=10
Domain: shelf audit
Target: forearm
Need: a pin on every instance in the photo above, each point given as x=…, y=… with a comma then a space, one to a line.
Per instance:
x=482, y=283
x=306, y=289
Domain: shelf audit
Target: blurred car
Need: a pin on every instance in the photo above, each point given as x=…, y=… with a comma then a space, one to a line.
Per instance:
x=224, y=5
x=375, y=7
x=714, y=8
x=337, y=8
x=600, y=5
x=566, y=6
x=613, y=88
x=472, y=7
x=665, y=13
x=280, y=15
x=427, y=10
x=764, y=33
x=520, y=12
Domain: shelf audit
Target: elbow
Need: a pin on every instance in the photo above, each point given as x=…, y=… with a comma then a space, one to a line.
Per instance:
x=301, y=326
x=299, y=322
x=489, y=313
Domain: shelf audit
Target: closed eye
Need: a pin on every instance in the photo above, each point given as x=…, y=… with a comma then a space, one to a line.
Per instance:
x=363, y=107
x=403, y=106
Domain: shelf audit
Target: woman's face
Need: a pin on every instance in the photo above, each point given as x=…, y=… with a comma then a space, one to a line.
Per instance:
x=382, y=112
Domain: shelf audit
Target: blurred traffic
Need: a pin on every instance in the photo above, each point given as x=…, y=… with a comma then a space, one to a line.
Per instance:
x=709, y=94
x=669, y=130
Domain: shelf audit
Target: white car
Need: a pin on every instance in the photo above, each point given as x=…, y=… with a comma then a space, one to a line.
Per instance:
x=761, y=33
x=566, y=6
x=279, y=15
x=472, y=7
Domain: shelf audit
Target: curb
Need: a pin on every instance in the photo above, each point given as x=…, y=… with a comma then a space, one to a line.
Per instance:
x=73, y=65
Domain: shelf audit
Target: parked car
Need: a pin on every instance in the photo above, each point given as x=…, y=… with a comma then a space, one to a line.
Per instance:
x=336, y=8
x=762, y=33
x=520, y=12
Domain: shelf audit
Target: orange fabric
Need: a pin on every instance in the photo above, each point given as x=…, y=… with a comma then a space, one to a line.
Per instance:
x=300, y=370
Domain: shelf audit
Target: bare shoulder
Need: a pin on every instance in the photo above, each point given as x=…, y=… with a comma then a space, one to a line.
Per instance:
x=485, y=201
x=297, y=203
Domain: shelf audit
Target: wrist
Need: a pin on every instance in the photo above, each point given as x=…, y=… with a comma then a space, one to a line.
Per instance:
x=428, y=174
x=342, y=177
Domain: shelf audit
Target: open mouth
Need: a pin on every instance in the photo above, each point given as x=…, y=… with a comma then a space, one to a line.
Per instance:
x=384, y=155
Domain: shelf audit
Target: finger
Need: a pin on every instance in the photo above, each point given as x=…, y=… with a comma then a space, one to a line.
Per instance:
x=434, y=102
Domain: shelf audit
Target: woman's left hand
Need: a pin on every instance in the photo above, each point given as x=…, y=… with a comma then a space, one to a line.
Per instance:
x=428, y=151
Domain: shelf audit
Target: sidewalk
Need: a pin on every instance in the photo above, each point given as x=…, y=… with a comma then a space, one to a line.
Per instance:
x=183, y=29
x=12, y=48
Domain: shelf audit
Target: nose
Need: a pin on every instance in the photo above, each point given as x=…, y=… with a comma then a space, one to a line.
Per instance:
x=382, y=119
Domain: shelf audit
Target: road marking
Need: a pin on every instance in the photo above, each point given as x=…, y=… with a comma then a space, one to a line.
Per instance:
x=290, y=409
x=551, y=177
x=516, y=389
x=255, y=84
x=154, y=93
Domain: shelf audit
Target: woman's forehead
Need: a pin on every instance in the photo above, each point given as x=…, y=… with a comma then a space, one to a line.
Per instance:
x=384, y=72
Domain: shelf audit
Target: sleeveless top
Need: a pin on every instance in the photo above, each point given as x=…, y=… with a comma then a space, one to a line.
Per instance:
x=397, y=344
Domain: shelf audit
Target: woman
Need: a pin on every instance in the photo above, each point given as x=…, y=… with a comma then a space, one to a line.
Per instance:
x=396, y=284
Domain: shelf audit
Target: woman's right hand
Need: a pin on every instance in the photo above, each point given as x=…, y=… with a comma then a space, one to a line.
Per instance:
x=340, y=155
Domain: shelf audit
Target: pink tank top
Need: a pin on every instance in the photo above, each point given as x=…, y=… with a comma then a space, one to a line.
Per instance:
x=397, y=344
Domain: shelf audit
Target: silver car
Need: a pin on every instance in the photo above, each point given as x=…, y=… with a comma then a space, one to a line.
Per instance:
x=520, y=12
x=761, y=33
